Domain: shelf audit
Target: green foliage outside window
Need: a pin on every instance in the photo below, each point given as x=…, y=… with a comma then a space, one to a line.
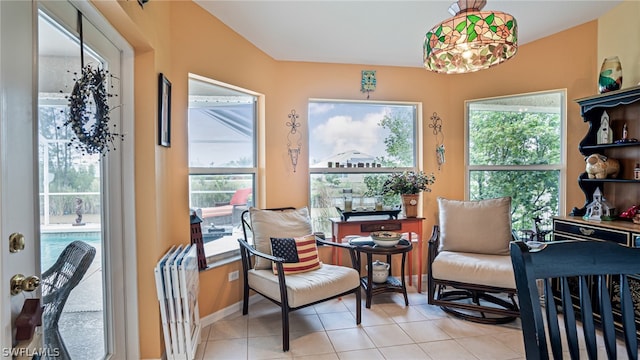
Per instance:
x=504, y=143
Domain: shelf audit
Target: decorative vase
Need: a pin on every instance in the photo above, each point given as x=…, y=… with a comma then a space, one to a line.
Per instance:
x=610, y=75
x=410, y=205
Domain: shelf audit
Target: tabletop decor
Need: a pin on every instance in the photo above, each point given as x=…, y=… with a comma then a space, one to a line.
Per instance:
x=89, y=112
x=409, y=184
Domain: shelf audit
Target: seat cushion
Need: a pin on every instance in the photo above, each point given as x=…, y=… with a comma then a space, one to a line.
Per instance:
x=277, y=224
x=308, y=287
x=483, y=269
x=300, y=254
x=209, y=212
x=482, y=227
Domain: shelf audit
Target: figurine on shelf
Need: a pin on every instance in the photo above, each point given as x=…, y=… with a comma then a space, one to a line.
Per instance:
x=599, y=208
x=625, y=136
x=631, y=212
x=605, y=134
x=599, y=166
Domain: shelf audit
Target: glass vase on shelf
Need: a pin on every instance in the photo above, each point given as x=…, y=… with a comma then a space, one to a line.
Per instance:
x=610, y=78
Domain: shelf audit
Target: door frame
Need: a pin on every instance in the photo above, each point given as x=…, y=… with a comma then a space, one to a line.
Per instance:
x=124, y=327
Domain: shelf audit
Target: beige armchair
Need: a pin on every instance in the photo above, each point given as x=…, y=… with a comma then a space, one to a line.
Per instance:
x=469, y=271
x=284, y=267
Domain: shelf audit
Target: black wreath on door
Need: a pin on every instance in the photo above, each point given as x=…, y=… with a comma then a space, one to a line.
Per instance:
x=89, y=100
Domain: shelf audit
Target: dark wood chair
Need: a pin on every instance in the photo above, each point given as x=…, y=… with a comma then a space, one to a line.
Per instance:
x=469, y=272
x=290, y=291
x=593, y=276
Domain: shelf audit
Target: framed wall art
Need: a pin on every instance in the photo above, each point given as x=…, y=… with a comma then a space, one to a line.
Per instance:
x=164, y=111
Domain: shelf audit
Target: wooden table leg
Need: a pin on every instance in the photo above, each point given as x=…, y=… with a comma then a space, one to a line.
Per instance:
x=369, y=279
x=404, y=286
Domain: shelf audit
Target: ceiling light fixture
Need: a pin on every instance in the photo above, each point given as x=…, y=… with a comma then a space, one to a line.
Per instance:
x=471, y=40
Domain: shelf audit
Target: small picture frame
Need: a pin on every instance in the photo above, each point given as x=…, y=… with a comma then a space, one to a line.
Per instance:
x=164, y=111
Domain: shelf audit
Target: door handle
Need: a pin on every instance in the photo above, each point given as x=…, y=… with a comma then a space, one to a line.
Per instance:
x=20, y=283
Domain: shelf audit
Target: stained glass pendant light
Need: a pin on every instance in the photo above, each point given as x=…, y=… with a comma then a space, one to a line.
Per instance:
x=471, y=40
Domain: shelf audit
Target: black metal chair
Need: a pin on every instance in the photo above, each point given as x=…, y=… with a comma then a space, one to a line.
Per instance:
x=292, y=291
x=578, y=276
x=57, y=283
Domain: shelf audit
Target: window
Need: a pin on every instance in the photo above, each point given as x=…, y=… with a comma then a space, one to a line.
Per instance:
x=356, y=145
x=515, y=149
x=222, y=162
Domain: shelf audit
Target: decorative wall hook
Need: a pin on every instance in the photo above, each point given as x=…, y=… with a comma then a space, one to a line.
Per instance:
x=368, y=82
x=294, y=140
x=436, y=126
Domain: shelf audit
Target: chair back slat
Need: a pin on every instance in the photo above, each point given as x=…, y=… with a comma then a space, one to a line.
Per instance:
x=588, y=324
x=552, y=323
x=628, y=318
x=569, y=319
x=606, y=315
x=591, y=274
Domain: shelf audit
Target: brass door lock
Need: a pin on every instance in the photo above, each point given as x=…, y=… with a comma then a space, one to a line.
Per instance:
x=20, y=283
x=16, y=242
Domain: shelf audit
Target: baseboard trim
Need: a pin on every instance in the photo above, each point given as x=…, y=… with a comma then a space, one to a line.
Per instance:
x=229, y=310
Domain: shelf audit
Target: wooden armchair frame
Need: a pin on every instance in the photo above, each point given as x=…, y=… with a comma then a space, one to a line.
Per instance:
x=246, y=252
x=453, y=296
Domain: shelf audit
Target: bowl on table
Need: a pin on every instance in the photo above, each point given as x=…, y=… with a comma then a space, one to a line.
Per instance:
x=385, y=238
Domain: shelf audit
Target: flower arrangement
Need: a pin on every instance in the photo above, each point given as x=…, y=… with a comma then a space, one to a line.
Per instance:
x=408, y=182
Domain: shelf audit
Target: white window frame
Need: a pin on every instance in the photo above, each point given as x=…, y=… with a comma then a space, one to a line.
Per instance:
x=561, y=167
x=220, y=258
x=417, y=149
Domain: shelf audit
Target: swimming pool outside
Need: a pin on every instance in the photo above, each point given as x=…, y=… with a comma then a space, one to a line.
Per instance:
x=82, y=320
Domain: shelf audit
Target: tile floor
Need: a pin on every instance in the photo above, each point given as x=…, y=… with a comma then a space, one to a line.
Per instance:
x=389, y=330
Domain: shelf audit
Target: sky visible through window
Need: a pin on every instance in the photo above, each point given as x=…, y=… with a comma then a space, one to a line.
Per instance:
x=336, y=128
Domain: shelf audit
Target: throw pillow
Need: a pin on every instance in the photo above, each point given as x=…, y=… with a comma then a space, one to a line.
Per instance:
x=277, y=224
x=482, y=227
x=300, y=254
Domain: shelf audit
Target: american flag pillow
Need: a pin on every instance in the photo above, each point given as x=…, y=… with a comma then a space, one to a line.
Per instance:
x=300, y=254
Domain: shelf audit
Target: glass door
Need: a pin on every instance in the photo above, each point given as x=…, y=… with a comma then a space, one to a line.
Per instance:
x=72, y=179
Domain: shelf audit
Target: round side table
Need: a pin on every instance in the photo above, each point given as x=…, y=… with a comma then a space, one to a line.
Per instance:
x=364, y=245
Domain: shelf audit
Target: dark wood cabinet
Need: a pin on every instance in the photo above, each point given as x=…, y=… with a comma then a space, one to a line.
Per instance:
x=622, y=107
x=622, y=232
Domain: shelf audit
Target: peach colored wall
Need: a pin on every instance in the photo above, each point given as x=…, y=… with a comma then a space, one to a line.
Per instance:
x=619, y=35
x=178, y=37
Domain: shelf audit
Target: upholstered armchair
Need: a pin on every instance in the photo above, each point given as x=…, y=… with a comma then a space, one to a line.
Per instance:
x=283, y=264
x=469, y=268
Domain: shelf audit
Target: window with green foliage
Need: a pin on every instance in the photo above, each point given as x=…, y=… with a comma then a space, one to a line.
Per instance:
x=356, y=145
x=514, y=148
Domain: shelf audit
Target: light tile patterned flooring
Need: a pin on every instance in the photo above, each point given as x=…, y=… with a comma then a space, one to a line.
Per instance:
x=389, y=330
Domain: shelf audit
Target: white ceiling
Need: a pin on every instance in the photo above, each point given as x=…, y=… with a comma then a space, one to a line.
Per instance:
x=378, y=32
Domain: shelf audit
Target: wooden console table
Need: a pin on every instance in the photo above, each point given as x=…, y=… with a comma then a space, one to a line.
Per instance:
x=355, y=226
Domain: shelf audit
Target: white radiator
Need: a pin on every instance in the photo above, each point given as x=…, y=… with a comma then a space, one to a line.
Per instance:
x=178, y=285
